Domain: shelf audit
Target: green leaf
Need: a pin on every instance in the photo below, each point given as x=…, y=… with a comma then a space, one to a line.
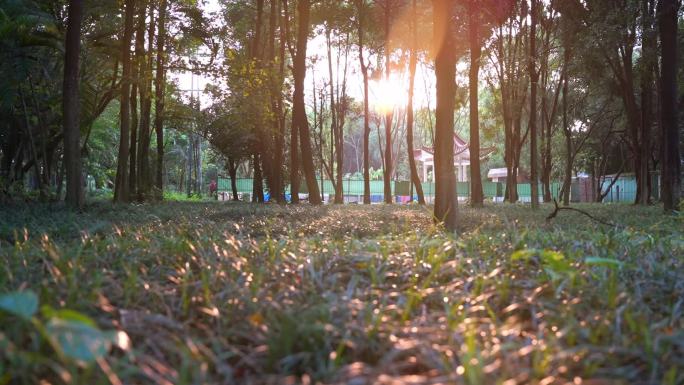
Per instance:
x=23, y=304
x=67, y=315
x=78, y=340
x=523, y=254
x=598, y=261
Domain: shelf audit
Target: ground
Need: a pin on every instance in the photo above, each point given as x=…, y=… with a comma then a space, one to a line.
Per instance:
x=209, y=293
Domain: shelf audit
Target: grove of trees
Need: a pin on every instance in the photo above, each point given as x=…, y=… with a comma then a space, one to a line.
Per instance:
x=298, y=90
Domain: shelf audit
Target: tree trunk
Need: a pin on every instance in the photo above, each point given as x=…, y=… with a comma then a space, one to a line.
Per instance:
x=300, y=121
x=413, y=63
x=648, y=62
x=294, y=130
x=366, y=108
x=534, y=78
x=146, y=114
x=75, y=197
x=121, y=190
x=667, y=20
x=567, y=180
x=137, y=70
x=232, y=170
x=446, y=203
x=476, y=193
x=389, y=116
x=275, y=158
x=159, y=86
x=258, y=187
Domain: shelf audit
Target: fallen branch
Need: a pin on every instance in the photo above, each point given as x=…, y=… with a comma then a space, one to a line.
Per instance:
x=558, y=209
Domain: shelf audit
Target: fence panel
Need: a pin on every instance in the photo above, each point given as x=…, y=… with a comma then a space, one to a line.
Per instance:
x=624, y=190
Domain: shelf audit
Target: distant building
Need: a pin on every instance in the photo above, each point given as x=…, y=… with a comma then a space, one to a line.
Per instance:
x=426, y=158
x=500, y=175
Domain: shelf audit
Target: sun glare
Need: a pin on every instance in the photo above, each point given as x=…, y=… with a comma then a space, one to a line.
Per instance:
x=387, y=94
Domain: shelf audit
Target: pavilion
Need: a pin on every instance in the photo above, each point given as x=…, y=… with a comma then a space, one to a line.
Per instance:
x=426, y=158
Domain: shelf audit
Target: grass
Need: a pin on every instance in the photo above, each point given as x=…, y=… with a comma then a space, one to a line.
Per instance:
x=216, y=293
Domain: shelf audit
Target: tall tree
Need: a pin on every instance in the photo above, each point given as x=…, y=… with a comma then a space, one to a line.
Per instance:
x=413, y=63
x=299, y=119
x=71, y=107
x=294, y=130
x=446, y=203
x=277, y=68
x=137, y=70
x=388, y=168
x=534, y=79
x=360, y=10
x=667, y=21
x=147, y=65
x=476, y=194
x=508, y=57
x=121, y=188
x=159, y=100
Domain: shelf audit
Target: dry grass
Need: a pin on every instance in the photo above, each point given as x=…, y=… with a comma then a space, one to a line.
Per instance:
x=213, y=294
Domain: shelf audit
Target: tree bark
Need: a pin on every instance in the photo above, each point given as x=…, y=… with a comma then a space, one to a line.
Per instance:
x=366, y=107
x=160, y=88
x=648, y=62
x=667, y=20
x=413, y=63
x=277, y=121
x=476, y=193
x=389, y=114
x=299, y=119
x=146, y=114
x=294, y=129
x=232, y=170
x=446, y=203
x=534, y=78
x=75, y=197
x=567, y=180
x=136, y=74
x=121, y=190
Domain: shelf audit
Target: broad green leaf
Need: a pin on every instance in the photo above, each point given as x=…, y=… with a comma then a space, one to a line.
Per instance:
x=598, y=261
x=67, y=315
x=78, y=340
x=23, y=304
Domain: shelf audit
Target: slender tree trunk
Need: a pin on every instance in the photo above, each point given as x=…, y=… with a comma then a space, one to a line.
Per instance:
x=146, y=113
x=413, y=63
x=567, y=180
x=389, y=115
x=277, y=68
x=258, y=187
x=137, y=70
x=159, y=86
x=71, y=103
x=342, y=104
x=446, y=203
x=232, y=170
x=366, y=108
x=648, y=59
x=534, y=77
x=476, y=194
x=121, y=190
x=667, y=20
x=294, y=129
x=300, y=121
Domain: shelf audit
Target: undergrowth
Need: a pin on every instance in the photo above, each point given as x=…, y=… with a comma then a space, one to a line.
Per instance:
x=212, y=293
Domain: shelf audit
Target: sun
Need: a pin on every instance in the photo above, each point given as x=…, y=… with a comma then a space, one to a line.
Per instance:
x=387, y=94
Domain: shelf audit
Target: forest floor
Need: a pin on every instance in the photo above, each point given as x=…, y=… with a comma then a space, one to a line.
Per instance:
x=212, y=293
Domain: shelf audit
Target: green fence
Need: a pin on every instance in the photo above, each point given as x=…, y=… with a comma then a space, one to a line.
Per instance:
x=624, y=190
x=353, y=187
